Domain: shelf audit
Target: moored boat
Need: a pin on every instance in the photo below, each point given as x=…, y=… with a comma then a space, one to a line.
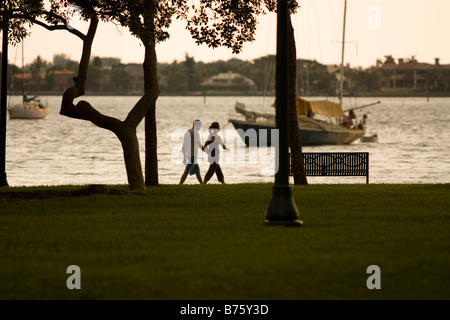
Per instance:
x=256, y=128
x=30, y=108
x=372, y=138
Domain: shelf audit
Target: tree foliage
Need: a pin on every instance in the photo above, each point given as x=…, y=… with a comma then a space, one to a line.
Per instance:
x=11, y=12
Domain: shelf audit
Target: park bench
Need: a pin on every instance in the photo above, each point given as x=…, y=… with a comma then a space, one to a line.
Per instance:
x=335, y=164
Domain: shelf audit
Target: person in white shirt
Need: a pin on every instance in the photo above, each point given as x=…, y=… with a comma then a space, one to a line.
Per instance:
x=191, y=143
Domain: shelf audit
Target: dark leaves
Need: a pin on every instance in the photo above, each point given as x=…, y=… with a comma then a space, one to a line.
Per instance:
x=228, y=23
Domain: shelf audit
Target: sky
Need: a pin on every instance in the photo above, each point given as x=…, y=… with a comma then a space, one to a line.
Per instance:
x=374, y=29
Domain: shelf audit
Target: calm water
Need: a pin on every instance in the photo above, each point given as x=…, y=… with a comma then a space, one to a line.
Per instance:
x=413, y=147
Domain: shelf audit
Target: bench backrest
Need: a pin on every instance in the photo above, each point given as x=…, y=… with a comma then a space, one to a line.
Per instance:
x=335, y=164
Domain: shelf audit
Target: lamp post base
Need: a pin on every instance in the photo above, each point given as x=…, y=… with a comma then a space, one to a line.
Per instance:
x=294, y=223
x=282, y=210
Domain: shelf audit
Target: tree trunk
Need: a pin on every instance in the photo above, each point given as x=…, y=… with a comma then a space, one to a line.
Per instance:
x=151, y=88
x=151, y=146
x=130, y=146
x=124, y=130
x=298, y=166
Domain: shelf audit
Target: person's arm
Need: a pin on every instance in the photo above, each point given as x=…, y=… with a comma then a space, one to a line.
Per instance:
x=198, y=141
x=220, y=142
x=207, y=143
x=183, y=143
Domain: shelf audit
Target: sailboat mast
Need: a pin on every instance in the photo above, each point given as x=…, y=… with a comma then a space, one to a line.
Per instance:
x=23, y=74
x=341, y=89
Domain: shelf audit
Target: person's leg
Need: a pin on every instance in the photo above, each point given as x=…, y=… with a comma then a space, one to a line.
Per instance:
x=219, y=174
x=196, y=170
x=209, y=173
x=183, y=178
x=189, y=167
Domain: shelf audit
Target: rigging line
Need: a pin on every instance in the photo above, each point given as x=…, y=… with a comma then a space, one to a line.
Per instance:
x=337, y=26
x=268, y=65
x=302, y=22
x=364, y=42
x=355, y=19
x=23, y=72
x=341, y=82
x=318, y=31
x=12, y=77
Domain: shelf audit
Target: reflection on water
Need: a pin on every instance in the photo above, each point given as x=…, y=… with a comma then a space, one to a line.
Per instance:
x=413, y=147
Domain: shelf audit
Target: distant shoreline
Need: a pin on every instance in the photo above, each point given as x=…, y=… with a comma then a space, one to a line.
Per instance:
x=393, y=94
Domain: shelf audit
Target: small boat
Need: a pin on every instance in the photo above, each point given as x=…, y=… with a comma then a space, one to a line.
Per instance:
x=256, y=129
x=30, y=108
x=372, y=138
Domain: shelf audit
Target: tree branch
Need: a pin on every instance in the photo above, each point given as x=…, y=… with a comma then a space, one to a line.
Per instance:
x=59, y=27
x=140, y=109
x=83, y=110
x=63, y=26
x=87, y=112
x=151, y=87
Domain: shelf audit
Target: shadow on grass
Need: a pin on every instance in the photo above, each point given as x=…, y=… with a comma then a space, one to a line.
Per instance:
x=18, y=196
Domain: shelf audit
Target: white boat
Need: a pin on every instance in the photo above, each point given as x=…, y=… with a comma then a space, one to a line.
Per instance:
x=30, y=108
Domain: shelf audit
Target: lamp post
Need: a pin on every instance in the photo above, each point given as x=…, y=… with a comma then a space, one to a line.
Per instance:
x=3, y=181
x=282, y=210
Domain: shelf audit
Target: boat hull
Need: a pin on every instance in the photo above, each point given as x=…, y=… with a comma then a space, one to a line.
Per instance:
x=27, y=112
x=255, y=134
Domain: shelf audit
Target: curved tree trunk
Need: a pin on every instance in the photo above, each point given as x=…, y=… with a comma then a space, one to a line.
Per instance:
x=298, y=166
x=124, y=130
x=131, y=155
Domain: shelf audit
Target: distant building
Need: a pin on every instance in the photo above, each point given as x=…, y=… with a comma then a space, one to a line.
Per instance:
x=60, y=79
x=29, y=80
x=136, y=73
x=229, y=81
x=54, y=80
x=409, y=74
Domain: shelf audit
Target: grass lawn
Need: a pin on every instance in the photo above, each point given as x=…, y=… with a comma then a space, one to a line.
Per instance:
x=201, y=242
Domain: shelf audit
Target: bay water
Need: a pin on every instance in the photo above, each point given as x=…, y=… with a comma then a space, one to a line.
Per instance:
x=413, y=146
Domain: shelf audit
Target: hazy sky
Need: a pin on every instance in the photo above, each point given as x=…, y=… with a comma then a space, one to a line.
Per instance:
x=375, y=28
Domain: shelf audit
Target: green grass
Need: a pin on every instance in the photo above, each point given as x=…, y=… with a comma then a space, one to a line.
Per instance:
x=208, y=242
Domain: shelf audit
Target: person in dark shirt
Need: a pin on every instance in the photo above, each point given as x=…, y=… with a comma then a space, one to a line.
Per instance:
x=212, y=148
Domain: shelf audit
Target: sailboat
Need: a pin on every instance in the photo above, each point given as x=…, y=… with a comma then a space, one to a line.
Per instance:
x=31, y=107
x=321, y=122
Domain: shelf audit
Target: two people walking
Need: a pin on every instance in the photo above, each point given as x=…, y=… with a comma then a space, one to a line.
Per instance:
x=192, y=144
